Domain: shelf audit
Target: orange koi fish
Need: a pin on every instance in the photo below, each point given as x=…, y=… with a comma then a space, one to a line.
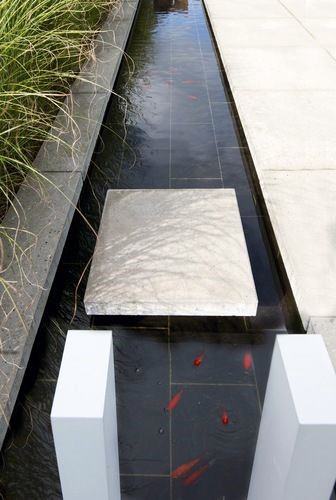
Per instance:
x=188, y=82
x=195, y=475
x=192, y=97
x=183, y=469
x=225, y=418
x=174, y=401
x=247, y=361
x=199, y=359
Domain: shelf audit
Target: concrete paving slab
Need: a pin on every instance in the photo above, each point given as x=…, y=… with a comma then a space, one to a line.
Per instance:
x=74, y=133
x=323, y=30
x=332, y=50
x=245, y=9
x=100, y=71
x=286, y=100
x=282, y=32
x=38, y=223
x=302, y=207
x=171, y=252
x=311, y=8
x=280, y=68
x=289, y=130
x=327, y=328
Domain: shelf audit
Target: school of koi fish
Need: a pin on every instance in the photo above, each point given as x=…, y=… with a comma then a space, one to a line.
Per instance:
x=187, y=472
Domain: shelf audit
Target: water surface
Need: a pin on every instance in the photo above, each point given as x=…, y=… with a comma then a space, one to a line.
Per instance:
x=173, y=126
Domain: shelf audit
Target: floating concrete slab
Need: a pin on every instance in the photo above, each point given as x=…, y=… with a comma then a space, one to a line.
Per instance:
x=282, y=32
x=280, y=68
x=302, y=207
x=171, y=252
x=326, y=327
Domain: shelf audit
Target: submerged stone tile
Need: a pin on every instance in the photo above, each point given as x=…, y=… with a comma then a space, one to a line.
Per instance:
x=225, y=451
x=171, y=252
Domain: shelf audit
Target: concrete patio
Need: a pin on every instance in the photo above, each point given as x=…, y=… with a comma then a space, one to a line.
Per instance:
x=280, y=61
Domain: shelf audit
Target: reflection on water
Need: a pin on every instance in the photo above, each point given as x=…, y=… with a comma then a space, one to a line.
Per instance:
x=170, y=5
x=174, y=125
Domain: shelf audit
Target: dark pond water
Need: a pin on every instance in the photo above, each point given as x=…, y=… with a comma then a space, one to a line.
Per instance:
x=174, y=125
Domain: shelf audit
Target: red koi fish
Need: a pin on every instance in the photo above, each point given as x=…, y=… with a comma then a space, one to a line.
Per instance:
x=174, y=401
x=195, y=475
x=198, y=361
x=183, y=469
x=225, y=418
x=192, y=97
x=247, y=361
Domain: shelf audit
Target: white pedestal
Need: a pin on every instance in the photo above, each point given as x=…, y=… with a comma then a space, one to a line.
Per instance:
x=295, y=457
x=84, y=420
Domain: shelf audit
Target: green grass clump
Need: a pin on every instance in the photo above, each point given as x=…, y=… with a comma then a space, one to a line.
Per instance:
x=43, y=44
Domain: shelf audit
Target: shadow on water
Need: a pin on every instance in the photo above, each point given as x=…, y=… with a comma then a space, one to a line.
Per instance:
x=174, y=125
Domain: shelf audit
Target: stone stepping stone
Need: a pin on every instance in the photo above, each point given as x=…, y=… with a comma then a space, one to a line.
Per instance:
x=171, y=252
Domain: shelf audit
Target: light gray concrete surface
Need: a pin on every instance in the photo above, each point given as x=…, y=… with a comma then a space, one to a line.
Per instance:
x=77, y=125
x=327, y=328
x=289, y=130
x=240, y=9
x=75, y=129
x=39, y=220
x=281, y=65
x=302, y=207
x=260, y=32
x=280, y=68
x=171, y=252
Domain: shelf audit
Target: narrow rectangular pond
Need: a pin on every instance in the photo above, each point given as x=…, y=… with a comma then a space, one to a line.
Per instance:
x=189, y=389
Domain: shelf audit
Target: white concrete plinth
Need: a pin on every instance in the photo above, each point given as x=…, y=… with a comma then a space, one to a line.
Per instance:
x=295, y=457
x=84, y=420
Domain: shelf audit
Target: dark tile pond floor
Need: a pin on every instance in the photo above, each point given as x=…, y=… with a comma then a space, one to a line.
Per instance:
x=173, y=125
